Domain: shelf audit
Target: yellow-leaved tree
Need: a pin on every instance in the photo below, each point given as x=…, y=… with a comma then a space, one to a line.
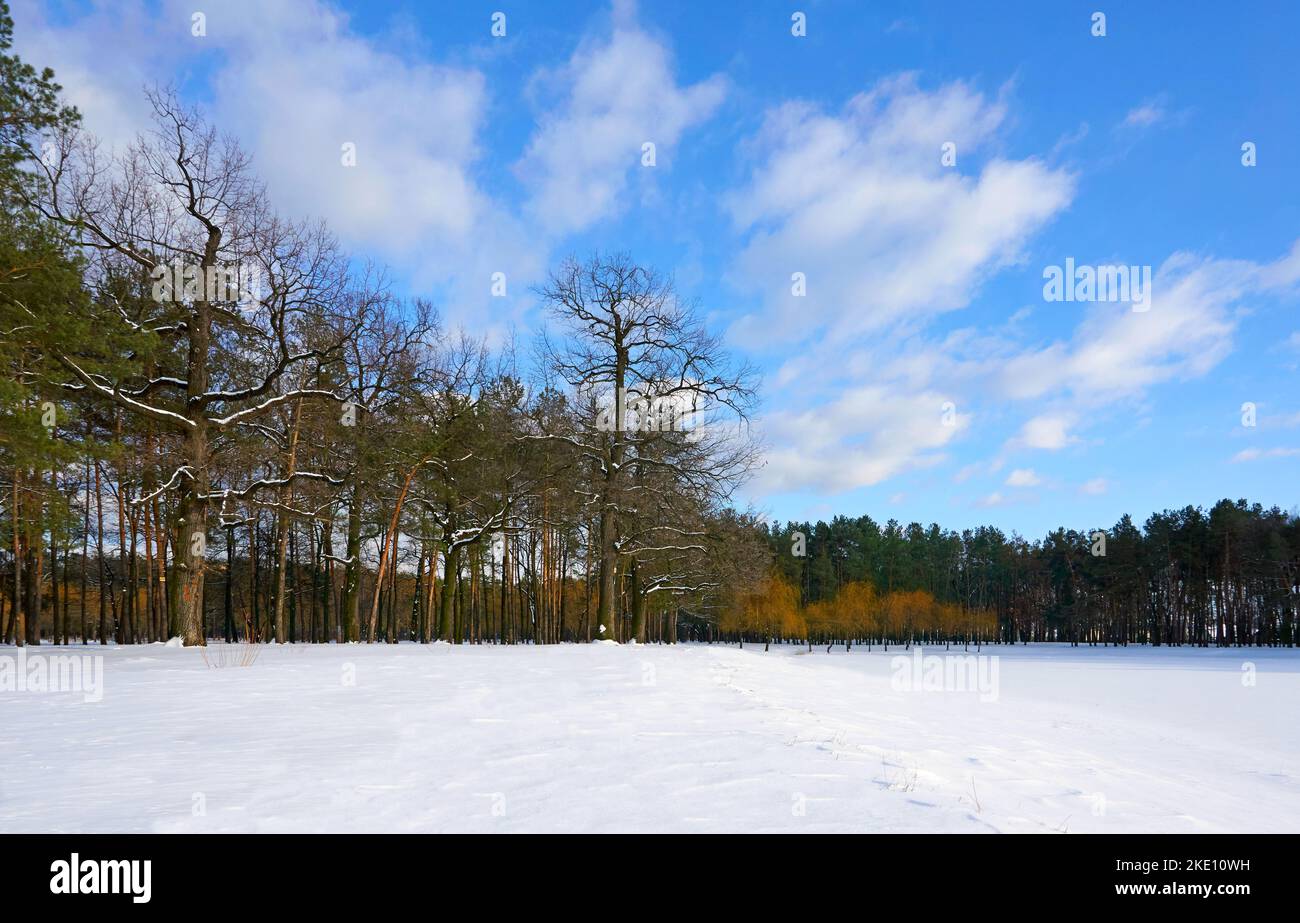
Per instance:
x=856, y=609
x=771, y=611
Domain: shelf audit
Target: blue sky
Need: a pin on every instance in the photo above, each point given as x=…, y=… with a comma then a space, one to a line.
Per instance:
x=820, y=154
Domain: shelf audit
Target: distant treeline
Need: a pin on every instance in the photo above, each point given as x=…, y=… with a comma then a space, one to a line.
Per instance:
x=1229, y=576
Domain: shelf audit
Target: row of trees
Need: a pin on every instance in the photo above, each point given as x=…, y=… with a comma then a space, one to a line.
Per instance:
x=218, y=423
x=1228, y=576
x=856, y=613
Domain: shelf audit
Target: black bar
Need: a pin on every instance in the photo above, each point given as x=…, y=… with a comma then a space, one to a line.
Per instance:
x=336, y=872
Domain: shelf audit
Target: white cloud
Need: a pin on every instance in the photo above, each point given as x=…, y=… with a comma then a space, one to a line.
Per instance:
x=859, y=202
x=1046, y=431
x=1023, y=477
x=299, y=83
x=1095, y=487
x=294, y=82
x=1144, y=116
x=619, y=93
x=104, y=60
x=1116, y=352
x=887, y=237
x=1246, y=455
x=865, y=436
x=306, y=86
x=1047, y=392
x=966, y=472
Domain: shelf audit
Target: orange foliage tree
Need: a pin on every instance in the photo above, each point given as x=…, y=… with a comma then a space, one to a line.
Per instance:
x=770, y=612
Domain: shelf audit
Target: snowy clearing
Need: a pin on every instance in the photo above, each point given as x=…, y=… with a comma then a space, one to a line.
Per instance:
x=685, y=738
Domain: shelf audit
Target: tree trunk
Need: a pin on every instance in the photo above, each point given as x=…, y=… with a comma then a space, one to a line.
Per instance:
x=54, y=565
x=99, y=549
x=638, y=606
x=350, y=617
x=85, y=552
x=417, y=598
x=230, y=585
x=17, y=629
x=448, y=593
x=605, y=579
x=191, y=549
x=282, y=526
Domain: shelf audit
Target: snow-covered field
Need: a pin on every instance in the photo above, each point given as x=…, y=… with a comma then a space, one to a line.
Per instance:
x=653, y=738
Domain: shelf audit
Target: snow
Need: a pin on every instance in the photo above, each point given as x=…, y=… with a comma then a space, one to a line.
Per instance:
x=605, y=737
